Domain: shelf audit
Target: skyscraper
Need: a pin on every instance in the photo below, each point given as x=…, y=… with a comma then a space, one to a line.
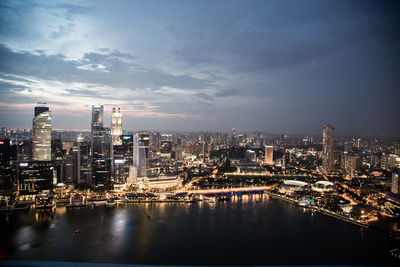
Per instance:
x=116, y=124
x=97, y=132
x=41, y=134
x=269, y=155
x=328, y=142
x=97, y=118
x=123, y=158
x=40, y=108
x=144, y=139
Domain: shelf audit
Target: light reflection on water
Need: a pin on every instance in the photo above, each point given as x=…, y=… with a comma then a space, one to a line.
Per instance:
x=250, y=229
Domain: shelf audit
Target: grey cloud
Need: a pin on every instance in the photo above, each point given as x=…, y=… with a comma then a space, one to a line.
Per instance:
x=121, y=74
x=226, y=92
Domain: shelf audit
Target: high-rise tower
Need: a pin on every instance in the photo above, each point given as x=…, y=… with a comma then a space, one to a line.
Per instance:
x=97, y=132
x=41, y=133
x=116, y=124
x=328, y=142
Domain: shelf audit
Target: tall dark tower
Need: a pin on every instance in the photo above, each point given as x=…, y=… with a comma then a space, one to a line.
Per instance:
x=328, y=142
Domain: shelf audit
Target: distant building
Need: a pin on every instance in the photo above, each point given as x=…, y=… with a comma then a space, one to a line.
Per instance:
x=395, y=189
x=328, y=142
x=269, y=155
x=41, y=133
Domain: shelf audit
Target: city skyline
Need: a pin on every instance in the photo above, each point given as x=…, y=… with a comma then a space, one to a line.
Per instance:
x=273, y=66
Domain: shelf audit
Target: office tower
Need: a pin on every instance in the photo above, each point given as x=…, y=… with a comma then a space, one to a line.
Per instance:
x=116, y=124
x=97, y=132
x=144, y=139
x=69, y=167
x=101, y=169
x=142, y=161
x=395, y=189
x=269, y=155
x=25, y=150
x=35, y=176
x=123, y=158
x=106, y=142
x=136, y=150
x=8, y=164
x=41, y=133
x=328, y=142
x=84, y=169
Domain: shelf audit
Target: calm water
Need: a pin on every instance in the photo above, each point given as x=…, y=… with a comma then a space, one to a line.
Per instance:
x=250, y=230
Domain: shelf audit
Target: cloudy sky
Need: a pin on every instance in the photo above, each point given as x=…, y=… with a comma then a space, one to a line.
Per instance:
x=274, y=66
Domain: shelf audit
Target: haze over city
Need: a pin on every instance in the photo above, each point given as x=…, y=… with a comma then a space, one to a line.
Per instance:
x=274, y=66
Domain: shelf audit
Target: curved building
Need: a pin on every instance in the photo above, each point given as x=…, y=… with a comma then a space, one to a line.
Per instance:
x=293, y=186
x=323, y=187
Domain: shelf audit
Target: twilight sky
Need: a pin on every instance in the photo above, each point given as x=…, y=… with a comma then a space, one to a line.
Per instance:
x=274, y=66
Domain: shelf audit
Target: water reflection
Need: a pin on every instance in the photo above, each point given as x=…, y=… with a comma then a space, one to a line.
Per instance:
x=252, y=229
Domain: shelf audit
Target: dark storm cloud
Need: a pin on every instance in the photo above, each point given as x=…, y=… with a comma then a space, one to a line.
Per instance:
x=284, y=34
x=264, y=65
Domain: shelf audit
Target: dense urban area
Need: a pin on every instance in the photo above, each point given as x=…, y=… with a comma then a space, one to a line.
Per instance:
x=353, y=179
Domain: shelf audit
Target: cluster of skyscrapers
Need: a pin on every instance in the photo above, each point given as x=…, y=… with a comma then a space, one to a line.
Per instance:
x=108, y=159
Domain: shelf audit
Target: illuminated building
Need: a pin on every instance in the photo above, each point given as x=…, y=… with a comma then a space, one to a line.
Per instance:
x=8, y=164
x=41, y=133
x=123, y=158
x=323, y=187
x=269, y=155
x=162, y=182
x=395, y=188
x=116, y=124
x=35, y=176
x=166, y=146
x=292, y=186
x=328, y=143
x=101, y=170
